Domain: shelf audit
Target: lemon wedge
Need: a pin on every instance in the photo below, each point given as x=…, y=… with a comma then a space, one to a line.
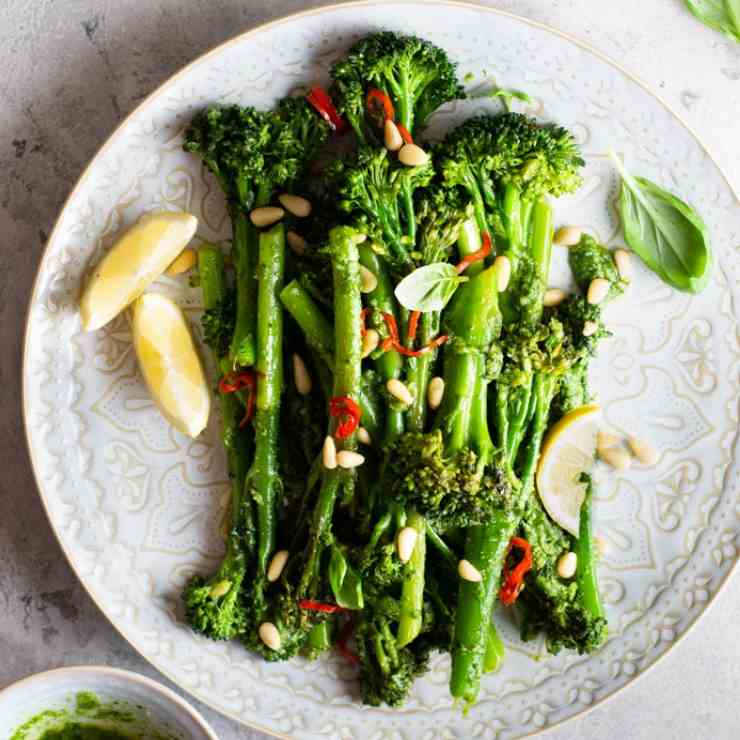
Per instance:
x=170, y=363
x=568, y=451
x=139, y=257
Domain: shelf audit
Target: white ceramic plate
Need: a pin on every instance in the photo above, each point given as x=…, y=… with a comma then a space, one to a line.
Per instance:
x=137, y=506
x=154, y=707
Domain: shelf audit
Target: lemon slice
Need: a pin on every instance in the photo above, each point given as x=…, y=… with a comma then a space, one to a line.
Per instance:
x=139, y=257
x=568, y=451
x=170, y=364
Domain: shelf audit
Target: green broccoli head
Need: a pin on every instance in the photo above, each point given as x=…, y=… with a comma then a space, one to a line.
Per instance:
x=371, y=188
x=253, y=152
x=550, y=605
x=589, y=260
x=380, y=565
x=510, y=148
x=440, y=214
x=450, y=491
x=215, y=608
x=416, y=75
x=387, y=672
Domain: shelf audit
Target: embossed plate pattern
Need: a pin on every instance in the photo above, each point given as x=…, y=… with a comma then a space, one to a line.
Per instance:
x=137, y=506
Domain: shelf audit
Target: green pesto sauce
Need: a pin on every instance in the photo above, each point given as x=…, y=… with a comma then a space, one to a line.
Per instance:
x=90, y=719
x=79, y=731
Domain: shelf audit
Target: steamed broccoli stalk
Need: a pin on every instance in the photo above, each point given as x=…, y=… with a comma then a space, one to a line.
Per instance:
x=569, y=613
x=389, y=364
x=440, y=214
x=417, y=76
x=347, y=382
x=252, y=153
x=319, y=336
x=263, y=483
x=588, y=260
x=215, y=607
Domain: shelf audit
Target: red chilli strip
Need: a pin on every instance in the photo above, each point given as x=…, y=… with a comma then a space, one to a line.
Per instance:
x=441, y=339
x=413, y=325
x=348, y=412
x=322, y=102
x=514, y=580
x=405, y=135
x=342, y=646
x=234, y=382
x=481, y=254
x=376, y=101
x=320, y=606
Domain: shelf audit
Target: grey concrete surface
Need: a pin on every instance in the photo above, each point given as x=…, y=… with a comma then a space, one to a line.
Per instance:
x=71, y=69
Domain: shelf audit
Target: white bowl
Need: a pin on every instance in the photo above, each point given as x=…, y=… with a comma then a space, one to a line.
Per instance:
x=152, y=704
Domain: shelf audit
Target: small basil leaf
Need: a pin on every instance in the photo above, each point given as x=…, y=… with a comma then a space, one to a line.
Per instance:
x=429, y=288
x=721, y=15
x=345, y=582
x=666, y=233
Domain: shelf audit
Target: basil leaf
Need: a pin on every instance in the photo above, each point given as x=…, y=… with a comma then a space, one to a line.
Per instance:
x=345, y=581
x=429, y=288
x=666, y=233
x=721, y=15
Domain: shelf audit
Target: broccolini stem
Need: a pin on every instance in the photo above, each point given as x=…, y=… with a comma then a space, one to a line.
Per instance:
x=389, y=364
x=244, y=246
x=412, y=590
x=320, y=338
x=494, y=656
x=263, y=481
x=236, y=441
x=347, y=378
x=442, y=547
x=319, y=638
x=586, y=576
x=420, y=371
x=485, y=548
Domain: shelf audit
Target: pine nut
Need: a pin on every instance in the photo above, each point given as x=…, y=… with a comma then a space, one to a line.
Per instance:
x=468, y=572
x=412, y=155
x=399, y=391
x=435, y=392
x=363, y=436
x=567, y=236
x=392, y=136
x=567, y=565
x=220, y=589
x=295, y=204
x=554, y=297
x=184, y=262
x=643, y=451
x=618, y=458
x=266, y=216
x=359, y=238
x=623, y=262
x=301, y=377
x=296, y=242
x=269, y=634
x=329, y=453
x=598, y=289
x=405, y=543
x=370, y=342
x=590, y=328
x=349, y=459
x=606, y=439
x=275, y=569
x=502, y=265
x=368, y=281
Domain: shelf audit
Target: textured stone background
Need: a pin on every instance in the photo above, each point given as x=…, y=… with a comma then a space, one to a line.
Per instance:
x=72, y=69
